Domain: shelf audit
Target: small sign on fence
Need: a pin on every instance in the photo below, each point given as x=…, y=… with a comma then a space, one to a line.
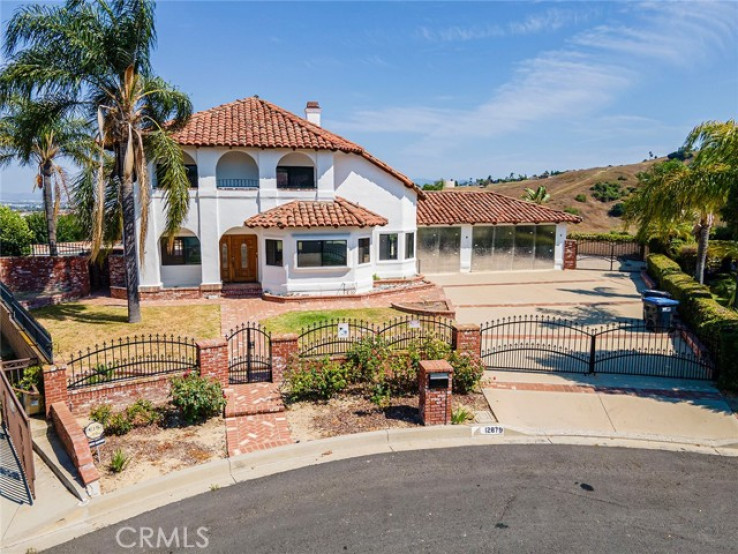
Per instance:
x=95, y=433
x=414, y=324
x=343, y=330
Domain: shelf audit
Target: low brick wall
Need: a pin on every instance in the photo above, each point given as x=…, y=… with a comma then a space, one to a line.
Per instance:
x=120, y=394
x=117, y=271
x=66, y=275
x=76, y=445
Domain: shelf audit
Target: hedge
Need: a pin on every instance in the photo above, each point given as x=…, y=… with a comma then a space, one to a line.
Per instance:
x=715, y=325
x=613, y=236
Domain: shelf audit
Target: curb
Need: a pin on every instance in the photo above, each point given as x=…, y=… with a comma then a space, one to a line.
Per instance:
x=142, y=497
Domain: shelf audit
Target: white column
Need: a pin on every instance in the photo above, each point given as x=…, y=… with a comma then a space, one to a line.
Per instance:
x=466, y=248
x=559, y=251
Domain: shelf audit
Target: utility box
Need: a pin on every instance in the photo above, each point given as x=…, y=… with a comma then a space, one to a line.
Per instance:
x=658, y=313
x=435, y=382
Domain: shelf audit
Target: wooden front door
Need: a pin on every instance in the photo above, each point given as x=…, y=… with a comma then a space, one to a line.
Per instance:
x=238, y=258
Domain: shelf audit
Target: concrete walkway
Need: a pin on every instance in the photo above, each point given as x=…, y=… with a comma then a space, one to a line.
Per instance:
x=612, y=405
x=589, y=297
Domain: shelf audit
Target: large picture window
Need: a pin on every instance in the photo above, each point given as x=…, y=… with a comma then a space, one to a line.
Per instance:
x=274, y=252
x=388, y=246
x=294, y=177
x=185, y=251
x=321, y=253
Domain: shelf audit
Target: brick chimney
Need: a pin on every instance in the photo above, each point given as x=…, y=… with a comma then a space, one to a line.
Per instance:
x=312, y=112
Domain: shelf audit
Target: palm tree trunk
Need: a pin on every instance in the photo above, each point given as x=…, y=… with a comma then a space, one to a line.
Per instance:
x=49, y=207
x=702, y=242
x=129, y=245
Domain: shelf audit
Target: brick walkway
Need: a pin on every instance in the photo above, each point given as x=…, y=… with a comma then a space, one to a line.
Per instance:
x=546, y=387
x=255, y=418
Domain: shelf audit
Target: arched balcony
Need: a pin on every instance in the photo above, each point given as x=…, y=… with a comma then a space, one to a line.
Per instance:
x=296, y=171
x=237, y=170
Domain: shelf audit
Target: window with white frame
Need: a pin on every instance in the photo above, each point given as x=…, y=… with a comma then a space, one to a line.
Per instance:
x=274, y=254
x=365, y=251
x=388, y=246
x=321, y=253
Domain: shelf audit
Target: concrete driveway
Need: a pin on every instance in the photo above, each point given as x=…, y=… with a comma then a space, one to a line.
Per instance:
x=588, y=297
x=612, y=406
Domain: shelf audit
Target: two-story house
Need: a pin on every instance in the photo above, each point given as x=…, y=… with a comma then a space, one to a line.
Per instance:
x=280, y=202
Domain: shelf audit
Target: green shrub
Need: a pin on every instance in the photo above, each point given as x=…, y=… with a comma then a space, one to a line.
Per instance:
x=119, y=461
x=617, y=210
x=606, y=191
x=367, y=358
x=468, y=371
x=612, y=236
x=460, y=415
x=32, y=377
x=142, y=413
x=316, y=379
x=118, y=424
x=15, y=236
x=197, y=398
x=101, y=414
x=581, y=198
x=572, y=211
x=622, y=178
x=381, y=395
x=715, y=325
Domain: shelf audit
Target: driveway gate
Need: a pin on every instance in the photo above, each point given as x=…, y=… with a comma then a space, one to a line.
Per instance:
x=249, y=354
x=547, y=344
x=611, y=255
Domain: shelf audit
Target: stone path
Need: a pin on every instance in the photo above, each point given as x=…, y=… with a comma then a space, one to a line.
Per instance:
x=255, y=418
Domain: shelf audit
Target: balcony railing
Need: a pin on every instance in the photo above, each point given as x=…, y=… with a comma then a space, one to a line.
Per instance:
x=238, y=183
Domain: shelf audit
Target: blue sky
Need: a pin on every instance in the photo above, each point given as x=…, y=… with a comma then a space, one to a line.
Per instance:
x=464, y=89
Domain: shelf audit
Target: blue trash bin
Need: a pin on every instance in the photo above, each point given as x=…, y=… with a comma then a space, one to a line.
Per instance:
x=658, y=313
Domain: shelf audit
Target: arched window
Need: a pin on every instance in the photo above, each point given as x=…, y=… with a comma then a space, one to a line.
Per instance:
x=296, y=171
x=185, y=251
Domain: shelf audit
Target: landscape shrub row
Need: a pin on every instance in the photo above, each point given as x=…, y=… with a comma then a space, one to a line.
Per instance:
x=715, y=325
x=613, y=236
x=379, y=371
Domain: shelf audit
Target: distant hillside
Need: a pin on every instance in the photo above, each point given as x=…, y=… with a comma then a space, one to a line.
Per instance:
x=565, y=187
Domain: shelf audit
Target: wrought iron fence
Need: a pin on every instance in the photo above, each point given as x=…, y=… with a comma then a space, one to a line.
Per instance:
x=131, y=358
x=38, y=334
x=612, y=255
x=337, y=336
x=238, y=183
x=249, y=354
x=80, y=248
x=540, y=343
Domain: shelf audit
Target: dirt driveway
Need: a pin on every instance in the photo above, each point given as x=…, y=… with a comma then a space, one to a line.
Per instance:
x=588, y=297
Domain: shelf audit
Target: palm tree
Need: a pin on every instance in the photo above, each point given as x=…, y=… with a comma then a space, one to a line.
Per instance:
x=97, y=55
x=716, y=162
x=38, y=134
x=539, y=196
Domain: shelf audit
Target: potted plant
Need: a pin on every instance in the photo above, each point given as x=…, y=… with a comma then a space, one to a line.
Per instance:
x=29, y=390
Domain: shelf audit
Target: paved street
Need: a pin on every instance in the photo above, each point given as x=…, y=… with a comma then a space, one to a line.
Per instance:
x=477, y=499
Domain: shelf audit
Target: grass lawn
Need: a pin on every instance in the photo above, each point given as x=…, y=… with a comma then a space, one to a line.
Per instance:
x=75, y=326
x=292, y=322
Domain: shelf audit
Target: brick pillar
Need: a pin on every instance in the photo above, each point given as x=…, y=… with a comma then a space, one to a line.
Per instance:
x=570, y=254
x=284, y=348
x=435, y=403
x=467, y=337
x=55, y=386
x=212, y=358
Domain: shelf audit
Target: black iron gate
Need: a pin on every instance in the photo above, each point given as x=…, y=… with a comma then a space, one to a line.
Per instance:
x=249, y=354
x=548, y=344
x=611, y=255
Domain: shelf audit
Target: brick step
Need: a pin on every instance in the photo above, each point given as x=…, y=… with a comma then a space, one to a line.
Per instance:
x=241, y=290
x=252, y=399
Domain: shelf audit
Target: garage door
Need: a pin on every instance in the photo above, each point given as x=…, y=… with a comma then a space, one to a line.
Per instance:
x=439, y=249
x=508, y=247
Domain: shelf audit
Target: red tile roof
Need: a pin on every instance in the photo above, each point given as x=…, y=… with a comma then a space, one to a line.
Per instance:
x=454, y=207
x=312, y=213
x=256, y=123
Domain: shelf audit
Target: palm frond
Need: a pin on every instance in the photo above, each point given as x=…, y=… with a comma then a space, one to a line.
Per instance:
x=172, y=179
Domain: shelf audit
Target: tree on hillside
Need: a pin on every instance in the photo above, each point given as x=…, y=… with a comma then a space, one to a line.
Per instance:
x=539, y=195
x=38, y=134
x=97, y=56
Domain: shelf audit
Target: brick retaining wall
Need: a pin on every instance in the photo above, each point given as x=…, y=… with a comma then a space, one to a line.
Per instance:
x=76, y=445
x=67, y=275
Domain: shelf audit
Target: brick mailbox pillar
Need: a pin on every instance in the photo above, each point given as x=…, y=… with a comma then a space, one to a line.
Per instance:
x=212, y=358
x=467, y=338
x=570, y=254
x=55, y=386
x=284, y=348
x=435, y=380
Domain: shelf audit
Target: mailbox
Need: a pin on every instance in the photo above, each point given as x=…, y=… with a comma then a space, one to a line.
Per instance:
x=438, y=381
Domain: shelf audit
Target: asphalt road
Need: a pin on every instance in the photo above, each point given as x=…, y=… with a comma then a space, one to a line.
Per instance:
x=465, y=500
